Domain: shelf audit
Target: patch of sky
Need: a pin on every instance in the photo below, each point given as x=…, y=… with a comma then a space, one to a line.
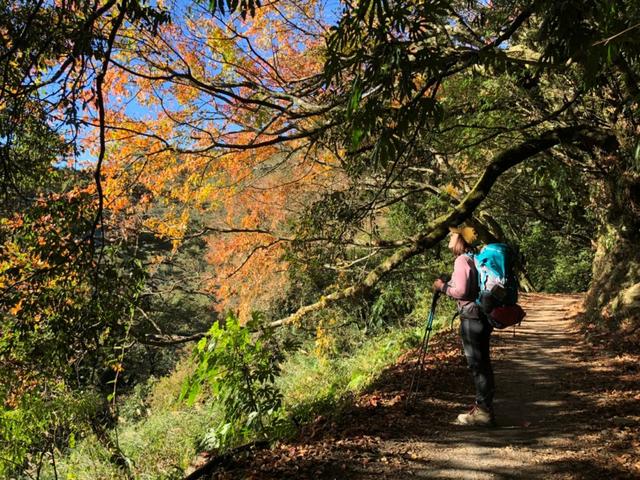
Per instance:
x=141, y=106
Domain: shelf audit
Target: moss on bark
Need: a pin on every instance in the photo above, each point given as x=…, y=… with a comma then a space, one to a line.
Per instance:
x=613, y=300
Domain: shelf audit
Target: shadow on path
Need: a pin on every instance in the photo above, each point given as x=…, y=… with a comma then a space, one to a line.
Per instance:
x=563, y=412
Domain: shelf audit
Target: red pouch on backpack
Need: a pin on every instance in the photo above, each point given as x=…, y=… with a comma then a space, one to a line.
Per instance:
x=507, y=315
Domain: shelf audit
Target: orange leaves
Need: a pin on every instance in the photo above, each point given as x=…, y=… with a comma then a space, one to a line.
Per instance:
x=117, y=367
x=249, y=273
x=195, y=121
x=451, y=190
x=16, y=308
x=116, y=83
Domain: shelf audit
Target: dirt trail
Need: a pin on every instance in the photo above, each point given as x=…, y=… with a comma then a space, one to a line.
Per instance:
x=564, y=410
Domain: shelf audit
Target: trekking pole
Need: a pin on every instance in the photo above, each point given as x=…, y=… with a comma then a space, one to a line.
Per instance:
x=422, y=352
x=453, y=318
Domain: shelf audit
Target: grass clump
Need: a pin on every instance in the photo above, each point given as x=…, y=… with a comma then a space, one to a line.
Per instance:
x=312, y=383
x=161, y=446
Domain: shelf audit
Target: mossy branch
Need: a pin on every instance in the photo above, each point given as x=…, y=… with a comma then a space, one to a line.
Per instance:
x=437, y=230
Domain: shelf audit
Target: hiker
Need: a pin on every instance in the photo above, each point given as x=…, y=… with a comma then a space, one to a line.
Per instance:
x=475, y=329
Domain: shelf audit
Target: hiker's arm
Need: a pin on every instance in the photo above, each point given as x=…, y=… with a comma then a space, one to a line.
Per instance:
x=459, y=287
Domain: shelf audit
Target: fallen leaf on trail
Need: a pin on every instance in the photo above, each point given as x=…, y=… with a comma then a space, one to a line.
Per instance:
x=394, y=400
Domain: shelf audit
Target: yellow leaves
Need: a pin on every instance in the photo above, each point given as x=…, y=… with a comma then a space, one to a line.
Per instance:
x=151, y=183
x=169, y=227
x=17, y=307
x=325, y=341
x=185, y=94
x=451, y=190
x=223, y=49
x=18, y=258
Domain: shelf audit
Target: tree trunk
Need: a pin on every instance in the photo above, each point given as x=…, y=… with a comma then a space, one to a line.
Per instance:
x=613, y=300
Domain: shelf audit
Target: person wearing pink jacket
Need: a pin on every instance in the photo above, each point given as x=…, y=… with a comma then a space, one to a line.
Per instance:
x=475, y=329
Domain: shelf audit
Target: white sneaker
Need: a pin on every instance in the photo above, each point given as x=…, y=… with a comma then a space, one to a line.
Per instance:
x=477, y=416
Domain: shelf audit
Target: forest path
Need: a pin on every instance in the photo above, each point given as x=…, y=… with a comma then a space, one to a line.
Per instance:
x=565, y=410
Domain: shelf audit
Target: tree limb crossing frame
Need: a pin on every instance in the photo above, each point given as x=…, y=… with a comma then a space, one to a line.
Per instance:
x=438, y=229
x=581, y=136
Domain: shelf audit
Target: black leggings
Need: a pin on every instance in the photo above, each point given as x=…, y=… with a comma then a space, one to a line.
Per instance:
x=476, y=335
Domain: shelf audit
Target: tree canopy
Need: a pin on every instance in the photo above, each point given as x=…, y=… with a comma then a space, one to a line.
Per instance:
x=163, y=163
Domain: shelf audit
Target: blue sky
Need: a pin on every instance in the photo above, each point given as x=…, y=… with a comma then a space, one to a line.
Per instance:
x=331, y=10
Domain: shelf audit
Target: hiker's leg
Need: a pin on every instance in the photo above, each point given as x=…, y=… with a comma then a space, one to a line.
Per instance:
x=475, y=340
x=485, y=366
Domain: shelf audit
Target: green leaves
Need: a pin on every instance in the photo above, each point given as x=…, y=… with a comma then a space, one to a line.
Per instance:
x=240, y=370
x=150, y=17
x=40, y=423
x=356, y=96
x=60, y=317
x=231, y=6
x=381, y=56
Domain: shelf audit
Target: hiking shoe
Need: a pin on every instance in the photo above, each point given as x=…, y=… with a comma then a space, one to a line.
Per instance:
x=477, y=416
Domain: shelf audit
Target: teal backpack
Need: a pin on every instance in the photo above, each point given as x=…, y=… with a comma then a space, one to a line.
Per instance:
x=498, y=285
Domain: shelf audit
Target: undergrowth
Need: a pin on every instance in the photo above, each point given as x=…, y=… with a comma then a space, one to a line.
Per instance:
x=160, y=435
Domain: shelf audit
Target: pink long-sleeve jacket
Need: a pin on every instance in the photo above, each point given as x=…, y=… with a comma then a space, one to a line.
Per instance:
x=463, y=285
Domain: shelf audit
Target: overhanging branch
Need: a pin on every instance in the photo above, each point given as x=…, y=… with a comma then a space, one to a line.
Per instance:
x=437, y=230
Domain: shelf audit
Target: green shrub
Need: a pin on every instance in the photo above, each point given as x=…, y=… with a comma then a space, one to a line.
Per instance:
x=38, y=425
x=554, y=263
x=240, y=368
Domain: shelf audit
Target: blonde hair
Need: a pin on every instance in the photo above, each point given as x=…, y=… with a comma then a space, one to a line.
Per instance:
x=461, y=247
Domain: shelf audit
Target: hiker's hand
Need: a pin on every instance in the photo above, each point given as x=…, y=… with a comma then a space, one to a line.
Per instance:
x=438, y=285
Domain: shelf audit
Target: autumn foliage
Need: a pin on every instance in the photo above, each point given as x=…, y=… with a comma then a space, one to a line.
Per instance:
x=205, y=137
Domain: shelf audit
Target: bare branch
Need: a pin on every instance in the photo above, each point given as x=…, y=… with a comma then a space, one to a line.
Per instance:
x=169, y=340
